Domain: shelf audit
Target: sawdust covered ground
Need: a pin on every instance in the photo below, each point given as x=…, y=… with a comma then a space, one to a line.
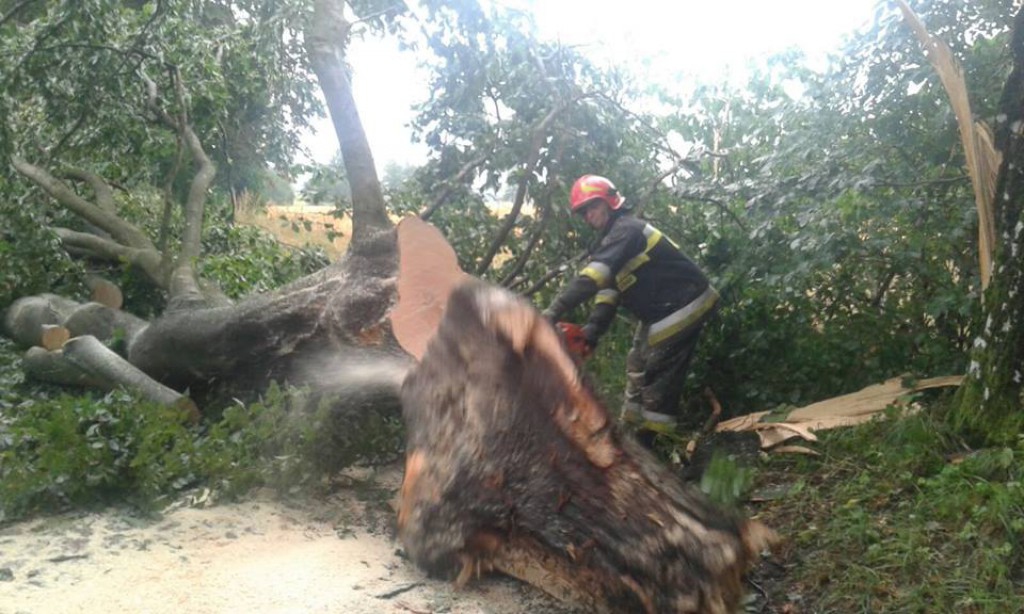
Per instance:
x=338, y=554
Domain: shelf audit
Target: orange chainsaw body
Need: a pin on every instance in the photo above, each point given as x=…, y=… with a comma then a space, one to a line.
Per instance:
x=575, y=340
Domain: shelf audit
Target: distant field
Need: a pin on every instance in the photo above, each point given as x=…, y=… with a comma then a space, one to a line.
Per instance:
x=301, y=225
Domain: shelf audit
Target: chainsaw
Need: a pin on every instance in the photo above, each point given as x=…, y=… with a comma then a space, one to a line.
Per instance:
x=575, y=341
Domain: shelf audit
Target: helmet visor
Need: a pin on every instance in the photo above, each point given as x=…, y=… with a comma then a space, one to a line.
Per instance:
x=585, y=206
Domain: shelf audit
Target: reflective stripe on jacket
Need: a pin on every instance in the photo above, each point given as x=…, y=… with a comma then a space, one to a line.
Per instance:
x=638, y=267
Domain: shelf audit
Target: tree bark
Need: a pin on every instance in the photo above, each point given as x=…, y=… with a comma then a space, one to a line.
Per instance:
x=513, y=464
x=990, y=399
x=326, y=40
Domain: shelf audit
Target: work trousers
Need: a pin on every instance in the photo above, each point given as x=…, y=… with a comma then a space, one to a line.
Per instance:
x=655, y=374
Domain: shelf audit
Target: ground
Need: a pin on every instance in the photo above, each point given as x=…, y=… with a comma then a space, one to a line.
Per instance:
x=268, y=554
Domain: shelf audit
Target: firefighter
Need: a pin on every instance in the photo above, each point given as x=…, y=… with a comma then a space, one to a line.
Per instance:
x=638, y=267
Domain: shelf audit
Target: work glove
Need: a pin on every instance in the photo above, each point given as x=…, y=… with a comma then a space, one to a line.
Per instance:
x=591, y=336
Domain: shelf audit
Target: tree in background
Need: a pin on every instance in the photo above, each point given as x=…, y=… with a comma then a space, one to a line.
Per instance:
x=328, y=185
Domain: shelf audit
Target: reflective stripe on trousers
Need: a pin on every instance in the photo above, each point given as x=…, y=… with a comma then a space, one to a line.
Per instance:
x=656, y=374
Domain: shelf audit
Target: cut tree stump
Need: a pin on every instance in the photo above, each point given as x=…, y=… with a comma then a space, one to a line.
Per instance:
x=512, y=464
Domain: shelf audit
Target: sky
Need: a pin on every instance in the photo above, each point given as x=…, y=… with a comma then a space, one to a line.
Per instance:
x=696, y=39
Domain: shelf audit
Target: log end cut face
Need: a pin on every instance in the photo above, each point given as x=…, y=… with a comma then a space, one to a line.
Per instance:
x=428, y=271
x=512, y=463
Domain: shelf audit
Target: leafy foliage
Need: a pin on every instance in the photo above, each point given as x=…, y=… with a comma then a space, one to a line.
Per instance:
x=74, y=450
x=74, y=88
x=328, y=185
x=31, y=257
x=58, y=450
x=243, y=260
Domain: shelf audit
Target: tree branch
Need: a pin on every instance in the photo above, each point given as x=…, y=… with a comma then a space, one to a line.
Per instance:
x=92, y=47
x=120, y=230
x=168, y=193
x=148, y=260
x=651, y=187
x=720, y=206
x=195, y=206
x=552, y=274
x=101, y=189
x=101, y=363
x=326, y=40
x=536, y=142
x=153, y=102
x=450, y=185
x=883, y=286
x=183, y=282
x=54, y=151
x=535, y=236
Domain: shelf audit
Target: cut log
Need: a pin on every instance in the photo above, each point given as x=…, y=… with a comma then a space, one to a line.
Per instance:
x=51, y=367
x=25, y=318
x=513, y=464
x=104, y=292
x=53, y=337
x=103, y=322
x=103, y=364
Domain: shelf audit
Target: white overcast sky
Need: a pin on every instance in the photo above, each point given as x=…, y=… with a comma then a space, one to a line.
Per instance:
x=702, y=38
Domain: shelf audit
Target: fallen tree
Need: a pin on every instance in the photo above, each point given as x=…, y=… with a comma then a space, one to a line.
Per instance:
x=203, y=343
x=513, y=464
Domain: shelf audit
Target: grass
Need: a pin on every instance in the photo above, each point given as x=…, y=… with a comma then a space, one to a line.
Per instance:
x=896, y=516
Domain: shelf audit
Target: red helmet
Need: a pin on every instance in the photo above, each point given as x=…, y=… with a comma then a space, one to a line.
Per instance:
x=594, y=187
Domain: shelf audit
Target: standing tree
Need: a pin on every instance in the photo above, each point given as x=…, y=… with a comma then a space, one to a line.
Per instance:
x=990, y=400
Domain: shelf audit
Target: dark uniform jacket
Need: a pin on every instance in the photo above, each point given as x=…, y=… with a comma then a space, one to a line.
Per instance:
x=638, y=267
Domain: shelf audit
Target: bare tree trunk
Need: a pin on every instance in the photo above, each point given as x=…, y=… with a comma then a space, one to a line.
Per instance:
x=513, y=464
x=326, y=40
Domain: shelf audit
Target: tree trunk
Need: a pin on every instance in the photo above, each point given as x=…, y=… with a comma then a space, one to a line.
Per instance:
x=513, y=464
x=990, y=399
x=203, y=343
x=380, y=304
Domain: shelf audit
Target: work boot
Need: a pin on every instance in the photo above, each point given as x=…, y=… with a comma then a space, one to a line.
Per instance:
x=632, y=415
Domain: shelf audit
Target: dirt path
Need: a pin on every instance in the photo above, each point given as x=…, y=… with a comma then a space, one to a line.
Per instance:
x=263, y=555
